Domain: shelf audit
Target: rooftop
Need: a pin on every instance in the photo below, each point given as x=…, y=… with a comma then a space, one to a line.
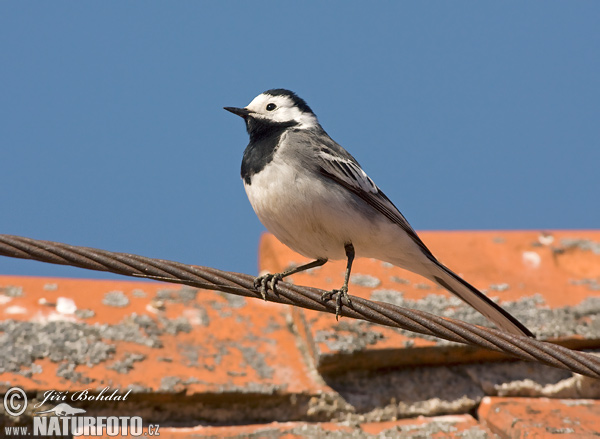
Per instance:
x=208, y=364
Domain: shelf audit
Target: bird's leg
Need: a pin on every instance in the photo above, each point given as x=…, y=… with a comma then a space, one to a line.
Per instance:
x=270, y=280
x=342, y=293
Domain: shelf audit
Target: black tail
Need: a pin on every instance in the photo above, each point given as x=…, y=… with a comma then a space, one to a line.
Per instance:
x=447, y=279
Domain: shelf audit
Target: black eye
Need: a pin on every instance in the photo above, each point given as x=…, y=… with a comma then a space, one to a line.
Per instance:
x=271, y=107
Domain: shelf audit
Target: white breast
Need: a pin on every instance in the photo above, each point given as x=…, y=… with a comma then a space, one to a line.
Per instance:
x=316, y=217
x=300, y=210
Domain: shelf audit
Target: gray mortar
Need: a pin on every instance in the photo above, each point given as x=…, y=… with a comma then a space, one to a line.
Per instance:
x=139, y=293
x=591, y=283
x=84, y=313
x=138, y=388
x=127, y=363
x=226, y=310
x=170, y=384
x=256, y=360
x=190, y=353
x=579, y=244
x=399, y=280
x=184, y=294
x=67, y=371
x=365, y=280
x=24, y=342
x=234, y=301
x=272, y=326
x=12, y=291
x=175, y=326
x=76, y=343
x=500, y=287
x=554, y=430
x=118, y=299
x=349, y=336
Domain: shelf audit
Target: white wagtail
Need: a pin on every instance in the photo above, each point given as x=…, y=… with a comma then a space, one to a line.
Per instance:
x=315, y=198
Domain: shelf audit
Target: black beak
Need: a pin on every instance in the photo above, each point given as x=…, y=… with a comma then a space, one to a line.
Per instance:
x=242, y=112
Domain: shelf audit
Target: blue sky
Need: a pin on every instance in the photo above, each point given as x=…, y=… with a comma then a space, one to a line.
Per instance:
x=469, y=115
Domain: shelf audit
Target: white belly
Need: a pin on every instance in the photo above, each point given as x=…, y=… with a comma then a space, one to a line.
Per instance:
x=289, y=206
x=317, y=218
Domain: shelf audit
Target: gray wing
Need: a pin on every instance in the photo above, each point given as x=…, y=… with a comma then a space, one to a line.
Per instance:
x=337, y=164
x=326, y=157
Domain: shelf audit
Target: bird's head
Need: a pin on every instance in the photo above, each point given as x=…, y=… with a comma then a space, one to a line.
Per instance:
x=277, y=107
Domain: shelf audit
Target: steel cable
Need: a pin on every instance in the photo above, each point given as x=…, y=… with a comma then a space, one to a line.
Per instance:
x=306, y=297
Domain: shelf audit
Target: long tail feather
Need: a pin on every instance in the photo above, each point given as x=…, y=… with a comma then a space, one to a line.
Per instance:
x=449, y=280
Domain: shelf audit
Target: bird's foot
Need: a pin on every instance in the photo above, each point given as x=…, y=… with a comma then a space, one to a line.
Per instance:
x=340, y=295
x=267, y=281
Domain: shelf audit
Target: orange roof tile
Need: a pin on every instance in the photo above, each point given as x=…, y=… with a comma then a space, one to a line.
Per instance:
x=548, y=280
x=149, y=337
x=194, y=356
x=541, y=417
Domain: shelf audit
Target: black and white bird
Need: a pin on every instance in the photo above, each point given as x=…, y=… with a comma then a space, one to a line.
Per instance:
x=315, y=198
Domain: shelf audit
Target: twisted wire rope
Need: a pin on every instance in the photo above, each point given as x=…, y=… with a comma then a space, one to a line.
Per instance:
x=386, y=314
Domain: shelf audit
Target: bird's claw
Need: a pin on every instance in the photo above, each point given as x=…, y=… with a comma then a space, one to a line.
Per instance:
x=265, y=281
x=260, y=283
x=340, y=294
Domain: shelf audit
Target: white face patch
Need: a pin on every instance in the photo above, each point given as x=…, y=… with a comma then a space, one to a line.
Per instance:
x=280, y=109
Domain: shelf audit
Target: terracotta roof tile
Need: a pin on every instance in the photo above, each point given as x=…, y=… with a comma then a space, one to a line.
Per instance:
x=149, y=337
x=541, y=417
x=548, y=280
x=195, y=357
